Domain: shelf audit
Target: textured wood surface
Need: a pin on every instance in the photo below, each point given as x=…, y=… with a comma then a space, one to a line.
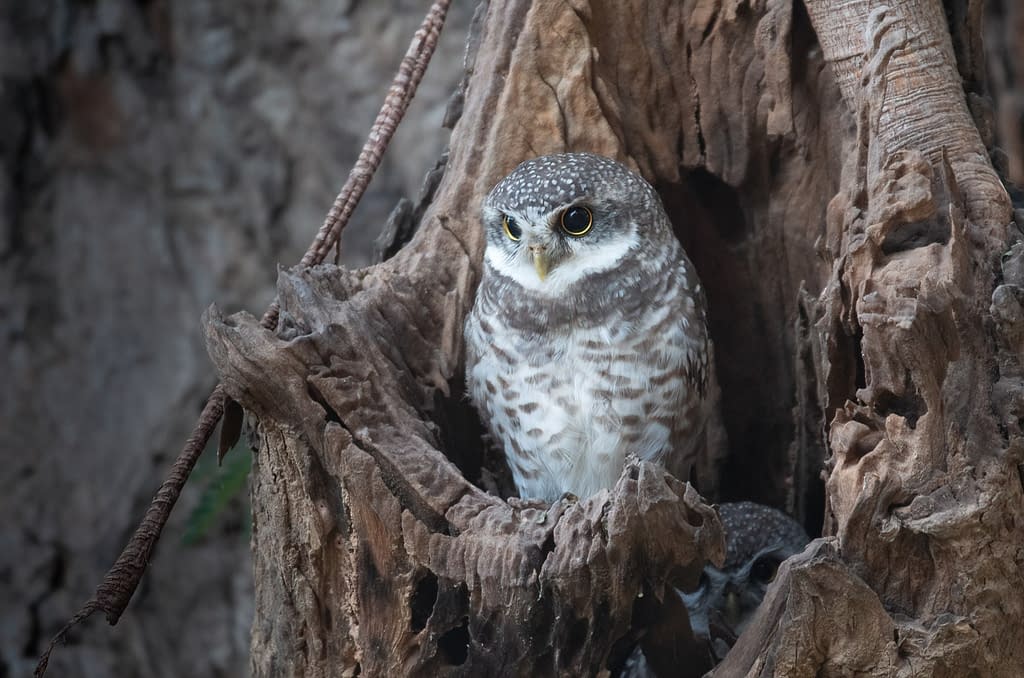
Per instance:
x=918, y=363
x=828, y=177
x=372, y=549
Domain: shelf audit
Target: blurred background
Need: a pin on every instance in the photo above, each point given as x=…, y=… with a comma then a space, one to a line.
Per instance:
x=155, y=158
x=158, y=157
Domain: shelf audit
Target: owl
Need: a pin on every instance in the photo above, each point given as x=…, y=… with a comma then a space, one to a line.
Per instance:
x=757, y=539
x=588, y=337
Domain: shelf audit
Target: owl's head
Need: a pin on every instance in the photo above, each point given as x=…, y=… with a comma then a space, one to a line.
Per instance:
x=559, y=218
x=758, y=538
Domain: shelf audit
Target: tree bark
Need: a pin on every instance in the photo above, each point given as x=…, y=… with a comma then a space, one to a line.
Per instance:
x=155, y=156
x=823, y=165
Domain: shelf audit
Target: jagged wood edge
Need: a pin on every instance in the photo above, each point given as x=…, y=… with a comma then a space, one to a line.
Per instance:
x=890, y=188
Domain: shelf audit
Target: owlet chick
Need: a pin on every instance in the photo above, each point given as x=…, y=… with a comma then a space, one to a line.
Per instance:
x=588, y=338
x=757, y=539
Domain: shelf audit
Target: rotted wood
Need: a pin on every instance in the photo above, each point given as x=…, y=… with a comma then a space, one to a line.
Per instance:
x=373, y=552
x=376, y=553
x=919, y=358
x=831, y=621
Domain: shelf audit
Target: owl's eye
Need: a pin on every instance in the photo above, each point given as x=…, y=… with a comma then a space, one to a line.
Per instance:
x=512, y=229
x=577, y=221
x=764, y=569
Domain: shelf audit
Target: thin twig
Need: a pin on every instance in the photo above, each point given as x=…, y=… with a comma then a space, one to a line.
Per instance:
x=410, y=72
x=121, y=581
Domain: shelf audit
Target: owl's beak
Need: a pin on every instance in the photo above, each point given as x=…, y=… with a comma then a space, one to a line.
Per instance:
x=732, y=608
x=540, y=260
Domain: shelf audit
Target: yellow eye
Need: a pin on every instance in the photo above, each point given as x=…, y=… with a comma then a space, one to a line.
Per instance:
x=577, y=221
x=512, y=229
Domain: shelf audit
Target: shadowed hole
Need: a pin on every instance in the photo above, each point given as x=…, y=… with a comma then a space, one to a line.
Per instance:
x=461, y=437
x=860, y=376
x=454, y=645
x=719, y=198
x=316, y=396
x=693, y=477
x=547, y=547
x=910, y=405
x=917, y=234
x=422, y=600
x=577, y=637
x=695, y=518
x=728, y=248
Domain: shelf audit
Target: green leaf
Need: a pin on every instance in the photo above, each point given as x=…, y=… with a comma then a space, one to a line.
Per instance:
x=226, y=483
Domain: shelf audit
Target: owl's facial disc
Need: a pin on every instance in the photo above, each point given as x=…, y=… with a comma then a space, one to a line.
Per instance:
x=529, y=245
x=551, y=248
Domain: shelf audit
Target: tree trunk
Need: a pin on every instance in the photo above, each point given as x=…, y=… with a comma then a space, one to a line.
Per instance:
x=824, y=167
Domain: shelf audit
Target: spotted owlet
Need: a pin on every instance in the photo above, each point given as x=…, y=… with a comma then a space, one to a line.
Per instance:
x=588, y=338
x=757, y=539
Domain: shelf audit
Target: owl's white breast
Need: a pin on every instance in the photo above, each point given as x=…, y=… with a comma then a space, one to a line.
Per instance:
x=600, y=258
x=570, y=406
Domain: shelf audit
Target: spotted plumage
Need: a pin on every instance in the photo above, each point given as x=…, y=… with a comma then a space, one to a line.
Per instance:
x=588, y=338
x=757, y=539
